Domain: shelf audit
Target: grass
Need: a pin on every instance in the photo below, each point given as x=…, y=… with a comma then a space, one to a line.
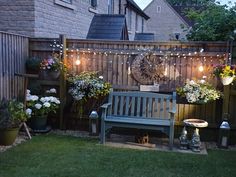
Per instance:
x=65, y=156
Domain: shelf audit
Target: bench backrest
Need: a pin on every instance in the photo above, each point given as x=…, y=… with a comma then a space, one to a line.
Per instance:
x=141, y=104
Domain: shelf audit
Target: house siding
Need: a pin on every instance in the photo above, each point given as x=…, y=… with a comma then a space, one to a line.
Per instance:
x=164, y=24
x=17, y=16
x=47, y=18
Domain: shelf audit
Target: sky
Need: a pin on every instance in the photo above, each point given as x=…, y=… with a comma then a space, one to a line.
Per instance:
x=143, y=3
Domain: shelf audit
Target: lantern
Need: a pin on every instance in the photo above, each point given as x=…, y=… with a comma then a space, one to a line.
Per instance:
x=93, y=123
x=224, y=135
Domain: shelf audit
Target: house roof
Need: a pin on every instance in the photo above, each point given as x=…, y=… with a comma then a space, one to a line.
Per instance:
x=144, y=36
x=131, y=4
x=181, y=10
x=107, y=26
x=177, y=10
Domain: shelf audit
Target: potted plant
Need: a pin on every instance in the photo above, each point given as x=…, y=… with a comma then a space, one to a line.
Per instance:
x=87, y=87
x=32, y=65
x=39, y=108
x=12, y=114
x=51, y=67
x=198, y=92
x=226, y=73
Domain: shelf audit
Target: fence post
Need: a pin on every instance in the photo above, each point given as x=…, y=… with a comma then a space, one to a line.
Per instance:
x=62, y=40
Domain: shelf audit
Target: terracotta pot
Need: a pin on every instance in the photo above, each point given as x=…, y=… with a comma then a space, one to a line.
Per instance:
x=227, y=80
x=8, y=136
x=38, y=122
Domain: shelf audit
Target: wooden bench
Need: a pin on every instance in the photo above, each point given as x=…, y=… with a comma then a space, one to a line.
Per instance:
x=141, y=110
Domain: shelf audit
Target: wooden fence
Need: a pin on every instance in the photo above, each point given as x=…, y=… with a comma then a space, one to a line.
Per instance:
x=116, y=62
x=13, y=53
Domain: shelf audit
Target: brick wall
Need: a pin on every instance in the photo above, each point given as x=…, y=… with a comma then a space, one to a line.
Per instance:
x=49, y=18
x=53, y=19
x=17, y=16
x=164, y=23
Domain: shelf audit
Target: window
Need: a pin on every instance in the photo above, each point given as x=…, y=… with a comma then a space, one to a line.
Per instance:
x=67, y=1
x=142, y=25
x=110, y=6
x=129, y=19
x=136, y=22
x=94, y=3
x=158, y=9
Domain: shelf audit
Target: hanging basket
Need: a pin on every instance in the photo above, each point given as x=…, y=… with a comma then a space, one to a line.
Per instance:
x=227, y=80
x=49, y=75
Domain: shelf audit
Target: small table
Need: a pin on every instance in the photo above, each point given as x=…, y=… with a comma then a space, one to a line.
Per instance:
x=195, y=142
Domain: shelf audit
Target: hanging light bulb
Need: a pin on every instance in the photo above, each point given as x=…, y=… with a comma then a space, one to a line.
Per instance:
x=200, y=68
x=129, y=70
x=77, y=62
x=165, y=72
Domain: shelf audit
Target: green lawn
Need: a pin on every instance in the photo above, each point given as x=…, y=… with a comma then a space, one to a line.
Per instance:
x=65, y=156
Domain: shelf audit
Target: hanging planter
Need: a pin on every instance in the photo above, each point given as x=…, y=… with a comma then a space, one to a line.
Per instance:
x=49, y=75
x=227, y=80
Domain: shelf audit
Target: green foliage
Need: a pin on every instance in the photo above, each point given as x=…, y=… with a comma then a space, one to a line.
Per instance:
x=189, y=2
x=33, y=64
x=214, y=22
x=12, y=113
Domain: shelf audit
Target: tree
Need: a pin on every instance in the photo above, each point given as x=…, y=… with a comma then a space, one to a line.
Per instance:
x=189, y=2
x=215, y=22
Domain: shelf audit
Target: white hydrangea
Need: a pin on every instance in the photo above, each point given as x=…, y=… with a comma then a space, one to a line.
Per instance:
x=38, y=106
x=52, y=90
x=46, y=104
x=28, y=111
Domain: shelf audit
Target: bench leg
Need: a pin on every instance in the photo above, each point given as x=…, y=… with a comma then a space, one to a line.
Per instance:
x=103, y=133
x=171, y=137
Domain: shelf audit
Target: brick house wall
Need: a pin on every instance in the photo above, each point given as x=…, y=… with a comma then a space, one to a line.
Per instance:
x=49, y=18
x=164, y=21
x=17, y=16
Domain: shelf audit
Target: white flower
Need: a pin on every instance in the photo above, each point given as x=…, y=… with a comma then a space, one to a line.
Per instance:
x=28, y=111
x=34, y=97
x=52, y=90
x=28, y=97
x=43, y=100
x=28, y=92
x=100, y=77
x=38, y=106
x=46, y=104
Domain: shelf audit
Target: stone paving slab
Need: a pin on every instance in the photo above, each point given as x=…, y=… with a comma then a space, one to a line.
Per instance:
x=159, y=144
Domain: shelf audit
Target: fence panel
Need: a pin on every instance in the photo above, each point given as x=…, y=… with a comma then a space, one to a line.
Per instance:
x=13, y=53
x=117, y=62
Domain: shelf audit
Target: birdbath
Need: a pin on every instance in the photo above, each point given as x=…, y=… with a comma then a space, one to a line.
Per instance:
x=195, y=142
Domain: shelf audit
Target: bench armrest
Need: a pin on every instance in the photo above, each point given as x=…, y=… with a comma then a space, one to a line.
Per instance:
x=106, y=105
x=173, y=111
x=172, y=114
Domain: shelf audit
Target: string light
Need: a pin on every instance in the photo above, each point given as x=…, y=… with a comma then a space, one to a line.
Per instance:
x=201, y=68
x=77, y=62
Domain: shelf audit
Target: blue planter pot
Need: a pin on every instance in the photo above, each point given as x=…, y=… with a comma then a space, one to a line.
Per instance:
x=38, y=122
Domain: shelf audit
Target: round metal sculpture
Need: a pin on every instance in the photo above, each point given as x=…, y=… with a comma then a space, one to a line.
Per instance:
x=148, y=68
